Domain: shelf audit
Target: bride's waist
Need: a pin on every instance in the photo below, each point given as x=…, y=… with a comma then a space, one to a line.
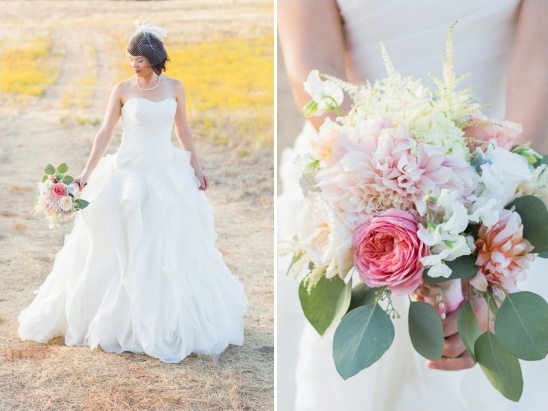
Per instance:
x=145, y=155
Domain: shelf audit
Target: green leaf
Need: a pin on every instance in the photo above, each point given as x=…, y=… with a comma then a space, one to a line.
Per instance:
x=310, y=108
x=44, y=178
x=59, y=176
x=501, y=368
x=425, y=330
x=521, y=325
x=67, y=179
x=492, y=304
x=468, y=326
x=534, y=217
x=462, y=267
x=544, y=160
x=362, y=295
x=327, y=302
x=63, y=168
x=49, y=170
x=81, y=203
x=361, y=338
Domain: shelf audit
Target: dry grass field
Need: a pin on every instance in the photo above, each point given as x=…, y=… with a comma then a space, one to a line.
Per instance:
x=58, y=62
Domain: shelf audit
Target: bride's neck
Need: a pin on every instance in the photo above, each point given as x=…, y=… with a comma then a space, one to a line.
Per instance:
x=149, y=78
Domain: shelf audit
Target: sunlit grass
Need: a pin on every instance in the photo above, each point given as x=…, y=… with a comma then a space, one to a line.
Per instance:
x=229, y=88
x=229, y=74
x=28, y=69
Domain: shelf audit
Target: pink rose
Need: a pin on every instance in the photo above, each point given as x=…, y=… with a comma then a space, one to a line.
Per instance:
x=59, y=190
x=503, y=132
x=387, y=251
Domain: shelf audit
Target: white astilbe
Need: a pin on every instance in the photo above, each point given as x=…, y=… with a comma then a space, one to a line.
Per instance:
x=407, y=101
x=457, y=105
x=300, y=258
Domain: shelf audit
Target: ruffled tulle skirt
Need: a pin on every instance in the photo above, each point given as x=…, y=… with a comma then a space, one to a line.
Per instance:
x=140, y=271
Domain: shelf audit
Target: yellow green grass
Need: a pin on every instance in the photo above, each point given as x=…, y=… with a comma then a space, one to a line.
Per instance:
x=28, y=69
x=229, y=88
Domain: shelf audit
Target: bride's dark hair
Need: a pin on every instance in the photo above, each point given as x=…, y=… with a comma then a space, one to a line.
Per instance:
x=148, y=45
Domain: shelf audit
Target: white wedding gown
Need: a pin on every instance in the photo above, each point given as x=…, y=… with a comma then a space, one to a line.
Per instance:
x=414, y=32
x=140, y=271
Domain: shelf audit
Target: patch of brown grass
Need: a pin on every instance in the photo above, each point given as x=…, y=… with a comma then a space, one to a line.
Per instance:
x=32, y=352
x=8, y=214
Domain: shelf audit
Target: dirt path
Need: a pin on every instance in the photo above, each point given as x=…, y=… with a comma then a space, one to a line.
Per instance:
x=55, y=377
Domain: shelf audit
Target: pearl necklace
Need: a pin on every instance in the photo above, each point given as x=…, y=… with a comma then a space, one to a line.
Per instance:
x=146, y=89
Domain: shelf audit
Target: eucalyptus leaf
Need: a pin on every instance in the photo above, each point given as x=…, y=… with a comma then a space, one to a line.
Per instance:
x=361, y=338
x=425, y=330
x=501, y=368
x=461, y=267
x=468, y=326
x=63, y=168
x=49, y=170
x=81, y=203
x=326, y=303
x=59, y=176
x=521, y=325
x=534, y=217
x=67, y=179
x=44, y=179
x=362, y=295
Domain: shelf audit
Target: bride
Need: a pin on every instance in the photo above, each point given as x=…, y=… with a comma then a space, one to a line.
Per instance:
x=140, y=271
x=504, y=45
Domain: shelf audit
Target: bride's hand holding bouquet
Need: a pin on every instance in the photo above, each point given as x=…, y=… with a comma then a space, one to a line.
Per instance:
x=82, y=180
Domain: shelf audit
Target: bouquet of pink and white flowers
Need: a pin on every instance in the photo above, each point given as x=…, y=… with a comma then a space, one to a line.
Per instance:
x=416, y=184
x=58, y=196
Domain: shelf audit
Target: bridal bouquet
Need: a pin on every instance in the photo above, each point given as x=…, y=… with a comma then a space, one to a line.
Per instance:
x=58, y=196
x=415, y=184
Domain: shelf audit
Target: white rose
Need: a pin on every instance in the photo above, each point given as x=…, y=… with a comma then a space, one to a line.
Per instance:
x=65, y=203
x=502, y=178
x=325, y=236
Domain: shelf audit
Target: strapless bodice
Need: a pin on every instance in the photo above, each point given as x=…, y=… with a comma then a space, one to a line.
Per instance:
x=146, y=139
x=415, y=32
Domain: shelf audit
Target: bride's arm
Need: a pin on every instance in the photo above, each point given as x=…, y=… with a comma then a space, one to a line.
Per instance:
x=184, y=135
x=311, y=37
x=527, y=90
x=103, y=138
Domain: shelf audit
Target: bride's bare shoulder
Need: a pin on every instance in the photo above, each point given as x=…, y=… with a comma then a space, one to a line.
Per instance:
x=176, y=86
x=124, y=85
x=173, y=82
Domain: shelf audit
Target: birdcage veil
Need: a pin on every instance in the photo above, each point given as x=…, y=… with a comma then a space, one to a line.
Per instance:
x=147, y=41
